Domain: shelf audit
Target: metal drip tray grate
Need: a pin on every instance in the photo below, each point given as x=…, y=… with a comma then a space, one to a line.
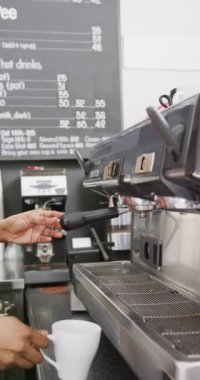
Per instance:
x=170, y=314
x=157, y=298
x=176, y=326
x=185, y=309
x=130, y=280
x=116, y=271
x=189, y=345
x=148, y=288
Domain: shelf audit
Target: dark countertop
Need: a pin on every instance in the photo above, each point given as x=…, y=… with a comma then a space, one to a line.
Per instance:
x=45, y=305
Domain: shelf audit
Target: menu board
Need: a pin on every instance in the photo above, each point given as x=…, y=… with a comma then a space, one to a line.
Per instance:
x=59, y=77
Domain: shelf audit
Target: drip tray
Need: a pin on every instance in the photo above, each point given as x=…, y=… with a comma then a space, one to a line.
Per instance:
x=144, y=318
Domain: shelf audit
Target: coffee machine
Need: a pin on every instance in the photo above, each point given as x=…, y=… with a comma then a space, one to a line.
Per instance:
x=47, y=189
x=149, y=306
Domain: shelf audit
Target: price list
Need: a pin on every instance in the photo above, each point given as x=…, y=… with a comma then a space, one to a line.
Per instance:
x=59, y=77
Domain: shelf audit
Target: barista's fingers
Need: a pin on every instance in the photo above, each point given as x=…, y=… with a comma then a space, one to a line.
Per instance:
x=32, y=355
x=49, y=222
x=23, y=363
x=49, y=213
x=44, y=332
x=39, y=340
x=47, y=217
x=52, y=233
x=43, y=217
x=44, y=239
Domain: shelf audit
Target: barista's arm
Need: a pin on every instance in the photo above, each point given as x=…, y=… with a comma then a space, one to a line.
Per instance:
x=36, y=226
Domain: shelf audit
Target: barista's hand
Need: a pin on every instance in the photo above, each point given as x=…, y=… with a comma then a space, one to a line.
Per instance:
x=36, y=226
x=20, y=344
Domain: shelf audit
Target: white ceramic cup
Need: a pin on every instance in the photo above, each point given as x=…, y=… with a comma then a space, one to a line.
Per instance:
x=75, y=345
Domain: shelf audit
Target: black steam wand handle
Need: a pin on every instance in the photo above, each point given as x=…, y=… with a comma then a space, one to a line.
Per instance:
x=163, y=127
x=71, y=221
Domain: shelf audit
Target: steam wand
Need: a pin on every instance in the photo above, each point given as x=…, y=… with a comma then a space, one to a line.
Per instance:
x=71, y=221
x=100, y=245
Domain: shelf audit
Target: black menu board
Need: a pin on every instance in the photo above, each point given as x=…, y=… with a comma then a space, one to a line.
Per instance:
x=59, y=77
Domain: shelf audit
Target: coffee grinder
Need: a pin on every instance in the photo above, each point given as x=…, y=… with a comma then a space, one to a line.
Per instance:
x=47, y=189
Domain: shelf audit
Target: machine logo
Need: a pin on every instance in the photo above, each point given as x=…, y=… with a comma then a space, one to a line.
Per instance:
x=8, y=13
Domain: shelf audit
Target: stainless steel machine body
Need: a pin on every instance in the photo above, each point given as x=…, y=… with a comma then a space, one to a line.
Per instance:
x=149, y=306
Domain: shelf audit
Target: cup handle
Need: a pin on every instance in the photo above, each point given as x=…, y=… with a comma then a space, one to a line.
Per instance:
x=49, y=360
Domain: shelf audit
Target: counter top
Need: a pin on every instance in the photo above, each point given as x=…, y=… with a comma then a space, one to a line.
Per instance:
x=45, y=305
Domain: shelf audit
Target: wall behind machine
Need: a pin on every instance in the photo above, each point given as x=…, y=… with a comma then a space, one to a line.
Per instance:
x=160, y=51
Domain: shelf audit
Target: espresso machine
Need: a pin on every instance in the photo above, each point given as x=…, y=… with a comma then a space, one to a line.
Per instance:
x=46, y=189
x=149, y=306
